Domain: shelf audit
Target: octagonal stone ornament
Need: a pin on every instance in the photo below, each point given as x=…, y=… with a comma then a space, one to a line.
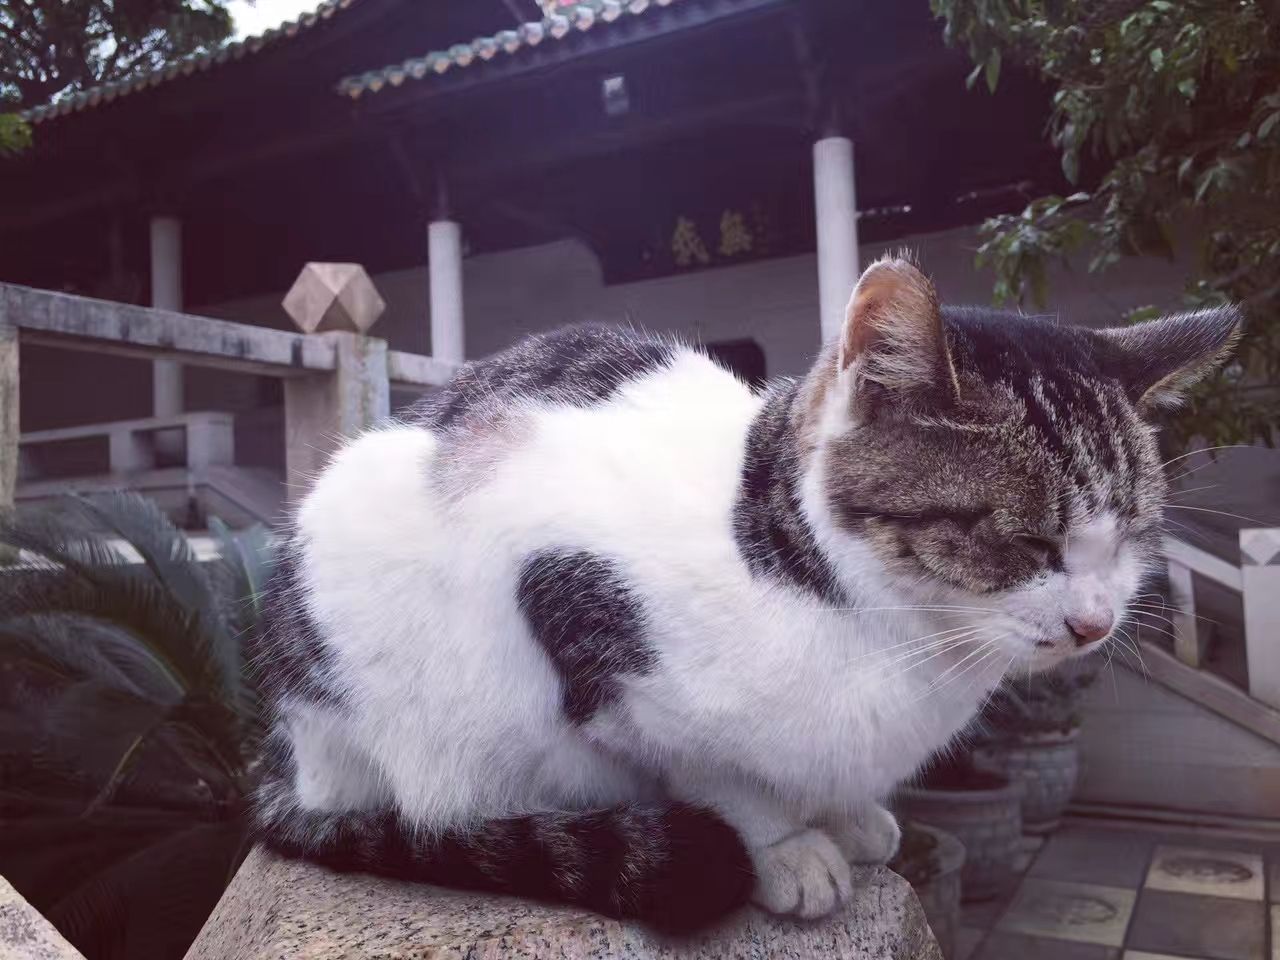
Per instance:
x=334, y=296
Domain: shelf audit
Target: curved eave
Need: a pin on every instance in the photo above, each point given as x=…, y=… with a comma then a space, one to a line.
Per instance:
x=580, y=18
x=196, y=63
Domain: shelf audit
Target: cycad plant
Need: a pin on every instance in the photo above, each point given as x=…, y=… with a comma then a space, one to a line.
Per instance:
x=129, y=721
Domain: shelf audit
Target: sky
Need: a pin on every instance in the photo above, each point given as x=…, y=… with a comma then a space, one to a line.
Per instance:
x=254, y=18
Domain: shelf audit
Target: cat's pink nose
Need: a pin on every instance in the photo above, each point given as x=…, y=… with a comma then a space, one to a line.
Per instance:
x=1087, y=629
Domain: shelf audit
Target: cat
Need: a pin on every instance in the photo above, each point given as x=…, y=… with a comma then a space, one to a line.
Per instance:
x=599, y=624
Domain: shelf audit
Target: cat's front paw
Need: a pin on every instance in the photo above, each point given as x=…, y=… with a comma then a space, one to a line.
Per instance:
x=870, y=838
x=804, y=875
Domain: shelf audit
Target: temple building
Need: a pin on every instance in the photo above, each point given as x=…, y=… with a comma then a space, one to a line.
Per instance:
x=718, y=168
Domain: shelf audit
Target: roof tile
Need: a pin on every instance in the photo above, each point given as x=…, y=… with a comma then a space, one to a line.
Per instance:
x=583, y=16
x=104, y=93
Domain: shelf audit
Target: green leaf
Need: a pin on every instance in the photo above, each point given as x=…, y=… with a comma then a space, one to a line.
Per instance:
x=1157, y=58
x=1269, y=124
x=15, y=134
x=1185, y=168
x=1187, y=87
x=993, y=70
x=974, y=74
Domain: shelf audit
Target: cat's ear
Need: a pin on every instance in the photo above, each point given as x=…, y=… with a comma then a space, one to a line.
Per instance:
x=893, y=334
x=1160, y=360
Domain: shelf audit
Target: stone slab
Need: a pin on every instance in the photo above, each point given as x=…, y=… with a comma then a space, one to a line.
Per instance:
x=1084, y=912
x=25, y=934
x=1184, y=925
x=1208, y=872
x=1109, y=857
x=277, y=909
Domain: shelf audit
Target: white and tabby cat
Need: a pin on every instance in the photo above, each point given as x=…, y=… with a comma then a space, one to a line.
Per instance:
x=600, y=624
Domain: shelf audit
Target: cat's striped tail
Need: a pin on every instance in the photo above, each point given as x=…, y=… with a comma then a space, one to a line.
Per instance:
x=676, y=868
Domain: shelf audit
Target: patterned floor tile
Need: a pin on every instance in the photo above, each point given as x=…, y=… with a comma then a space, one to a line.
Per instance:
x=1016, y=946
x=1207, y=872
x=1110, y=857
x=1217, y=928
x=1085, y=912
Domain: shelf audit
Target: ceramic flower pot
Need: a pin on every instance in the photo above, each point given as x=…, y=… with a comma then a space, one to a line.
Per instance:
x=1045, y=765
x=934, y=873
x=986, y=819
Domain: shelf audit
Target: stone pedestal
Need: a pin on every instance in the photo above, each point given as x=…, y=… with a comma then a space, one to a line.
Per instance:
x=277, y=908
x=25, y=934
x=339, y=302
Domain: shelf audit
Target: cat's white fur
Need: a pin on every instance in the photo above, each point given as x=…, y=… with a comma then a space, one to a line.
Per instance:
x=794, y=721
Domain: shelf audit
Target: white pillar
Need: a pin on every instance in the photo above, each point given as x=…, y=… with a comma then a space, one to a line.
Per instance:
x=444, y=258
x=836, y=207
x=166, y=294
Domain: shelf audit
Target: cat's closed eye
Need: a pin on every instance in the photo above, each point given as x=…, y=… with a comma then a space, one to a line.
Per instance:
x=1043, y=551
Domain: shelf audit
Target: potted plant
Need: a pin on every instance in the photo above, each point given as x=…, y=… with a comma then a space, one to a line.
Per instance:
x=980, y=808
x=930, y=860
x=1030, y=729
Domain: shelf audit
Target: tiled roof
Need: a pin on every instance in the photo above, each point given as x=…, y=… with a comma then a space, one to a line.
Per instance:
x=580, y=16
x=195, y=63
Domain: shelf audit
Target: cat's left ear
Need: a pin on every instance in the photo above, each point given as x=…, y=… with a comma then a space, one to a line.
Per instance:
x=893, y=333
x=1160, y=360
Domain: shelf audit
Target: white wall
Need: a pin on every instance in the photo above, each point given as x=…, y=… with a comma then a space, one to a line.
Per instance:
x=773, y=301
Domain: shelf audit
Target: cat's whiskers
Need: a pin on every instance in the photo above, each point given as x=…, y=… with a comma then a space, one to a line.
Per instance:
x=939, y=649
x=1221, y=513
x=1131, y=644
x=1190, y=490
x=915, y=642
x=1151, y=609
x=913, y=608
x=948, y=676
x=970, y=665
x=1192, y=453
x=977, y=678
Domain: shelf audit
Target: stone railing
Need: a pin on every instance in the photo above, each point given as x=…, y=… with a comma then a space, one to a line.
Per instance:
x=337, y=379
x=130, y=446
x=1257, y=580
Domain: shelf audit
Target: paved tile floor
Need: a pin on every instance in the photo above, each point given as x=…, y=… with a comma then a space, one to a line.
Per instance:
x=1097, y=890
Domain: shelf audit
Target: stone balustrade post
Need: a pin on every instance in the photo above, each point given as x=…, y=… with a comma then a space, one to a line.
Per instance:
x=1260, y=570
x=339, y=302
